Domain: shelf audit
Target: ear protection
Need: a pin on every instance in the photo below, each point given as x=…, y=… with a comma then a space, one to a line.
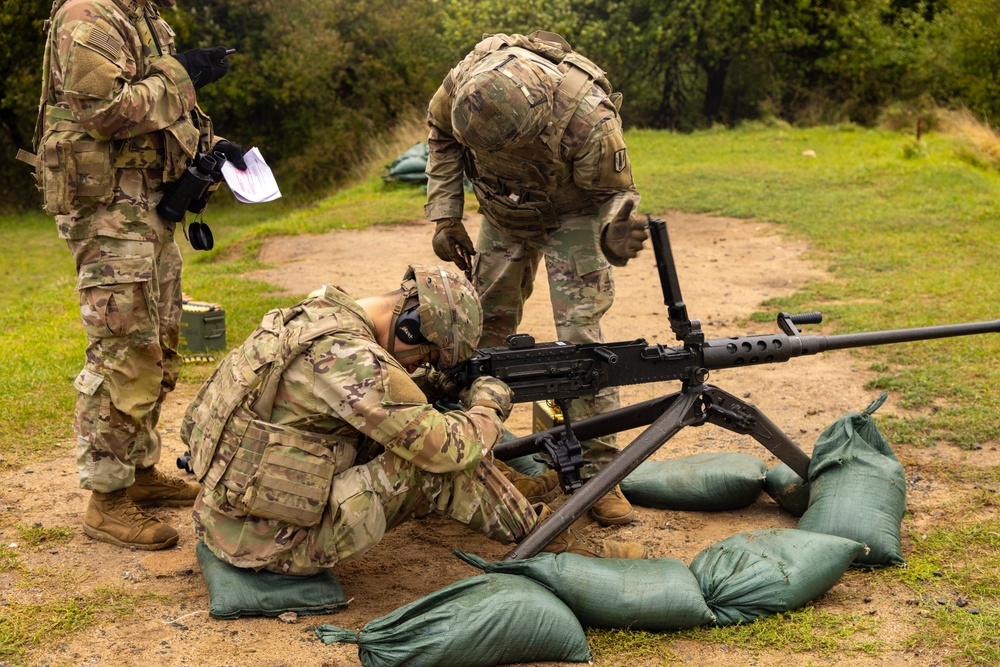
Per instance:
x=408, y=326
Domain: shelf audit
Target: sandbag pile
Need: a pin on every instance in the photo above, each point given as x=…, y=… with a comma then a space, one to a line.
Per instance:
x=490, y=619
x=656, y=595
x=703, y=482
x=858, y=488
x=759, y=573
x=536, y=609
x=410, y=166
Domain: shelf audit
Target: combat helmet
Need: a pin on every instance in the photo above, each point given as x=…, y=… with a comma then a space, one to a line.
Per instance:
x=439, y=307
x=504, y=102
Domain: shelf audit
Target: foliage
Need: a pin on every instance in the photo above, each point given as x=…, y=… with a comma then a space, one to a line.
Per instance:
x=313, y=84
x=21, y=42
x=963, y=58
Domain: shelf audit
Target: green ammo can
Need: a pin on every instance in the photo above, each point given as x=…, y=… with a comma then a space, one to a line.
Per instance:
x=203, y=326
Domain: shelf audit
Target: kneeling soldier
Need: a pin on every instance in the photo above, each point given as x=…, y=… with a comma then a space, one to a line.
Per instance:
x=311, y=440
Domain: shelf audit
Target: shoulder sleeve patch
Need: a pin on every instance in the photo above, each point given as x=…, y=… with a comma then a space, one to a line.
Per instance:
x=103, y=39
x=615, y=171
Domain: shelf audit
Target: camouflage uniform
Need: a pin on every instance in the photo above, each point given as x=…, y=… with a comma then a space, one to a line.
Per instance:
x=118, y=119
x=551, y=197
x=311, y=441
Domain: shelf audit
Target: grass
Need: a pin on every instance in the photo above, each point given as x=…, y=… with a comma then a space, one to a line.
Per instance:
x=909, y=242
x=907, y=231
x=23, y=624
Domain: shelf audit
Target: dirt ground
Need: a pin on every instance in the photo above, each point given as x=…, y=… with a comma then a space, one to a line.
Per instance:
x=727, y=267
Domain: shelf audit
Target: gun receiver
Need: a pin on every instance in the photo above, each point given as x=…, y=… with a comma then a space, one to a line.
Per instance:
x=562, y=371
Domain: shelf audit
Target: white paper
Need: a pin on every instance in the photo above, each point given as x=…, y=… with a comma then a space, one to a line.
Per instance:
x=255, y=184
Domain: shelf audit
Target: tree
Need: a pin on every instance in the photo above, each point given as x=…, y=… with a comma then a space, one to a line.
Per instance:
x=21, y=44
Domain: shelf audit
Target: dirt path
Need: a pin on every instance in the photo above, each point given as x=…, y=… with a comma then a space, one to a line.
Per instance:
x=727, y=267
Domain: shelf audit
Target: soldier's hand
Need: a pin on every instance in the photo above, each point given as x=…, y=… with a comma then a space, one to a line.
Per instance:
x=204, y=65
x=623, y=238
x=233, y=152
x=451, y=243
x=435, y=383
x=491, y=393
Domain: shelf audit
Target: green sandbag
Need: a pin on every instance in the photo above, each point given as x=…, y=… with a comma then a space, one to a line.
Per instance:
x=234, y=592
x=762, y=572
x=410, y=165
x=858, y=488
x=491, y=619
x=703, y=482
x=656, y=595
x=789, y=490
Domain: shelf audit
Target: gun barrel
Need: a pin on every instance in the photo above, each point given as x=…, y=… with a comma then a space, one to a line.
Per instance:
x=843, y=341
x=775, y=348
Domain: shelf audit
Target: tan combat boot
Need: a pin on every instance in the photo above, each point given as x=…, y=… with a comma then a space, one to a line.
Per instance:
x=113, y=517
x=571, y=542
x=613, y=509
x=541, y=489
x=153, y=487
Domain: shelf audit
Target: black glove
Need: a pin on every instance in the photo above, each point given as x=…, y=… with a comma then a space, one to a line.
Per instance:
x=204, y=65
x=233, y=153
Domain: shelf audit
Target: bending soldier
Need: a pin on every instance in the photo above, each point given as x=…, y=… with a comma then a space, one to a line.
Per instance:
x=535, y=127
x=311, y=440
x=118, y=120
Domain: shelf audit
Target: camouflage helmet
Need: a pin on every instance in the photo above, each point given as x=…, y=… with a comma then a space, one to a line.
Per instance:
x=450, y=315
x=504, y=102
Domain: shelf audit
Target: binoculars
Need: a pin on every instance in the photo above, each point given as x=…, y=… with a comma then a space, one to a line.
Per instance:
x=190, y=193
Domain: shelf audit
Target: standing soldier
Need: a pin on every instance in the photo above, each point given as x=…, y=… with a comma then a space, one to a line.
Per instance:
x=117, y=121
x=536, y=129
x=311, y=440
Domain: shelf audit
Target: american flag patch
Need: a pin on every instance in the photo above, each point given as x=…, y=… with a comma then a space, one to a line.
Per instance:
x=103, y=42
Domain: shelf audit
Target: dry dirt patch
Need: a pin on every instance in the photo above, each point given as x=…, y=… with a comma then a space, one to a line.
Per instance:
x=726, y=266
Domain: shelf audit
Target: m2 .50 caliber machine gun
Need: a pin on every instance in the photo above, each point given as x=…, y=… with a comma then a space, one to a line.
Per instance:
x=563, y=371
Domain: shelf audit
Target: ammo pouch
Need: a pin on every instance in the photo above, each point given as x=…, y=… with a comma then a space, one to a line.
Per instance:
x=73, y=167
x=522, y=213
x=283, y=473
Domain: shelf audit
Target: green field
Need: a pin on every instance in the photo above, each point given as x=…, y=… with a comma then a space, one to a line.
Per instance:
x=909, y=232
x=911, y=239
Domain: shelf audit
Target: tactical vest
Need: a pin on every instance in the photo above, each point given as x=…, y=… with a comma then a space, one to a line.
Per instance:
x=525, y=190
x=73, y=168
x=268, y=470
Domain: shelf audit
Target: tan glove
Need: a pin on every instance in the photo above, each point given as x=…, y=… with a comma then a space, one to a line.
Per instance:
x=623, y=238
x=452, y=243
x=434, y=383
x=491, y=393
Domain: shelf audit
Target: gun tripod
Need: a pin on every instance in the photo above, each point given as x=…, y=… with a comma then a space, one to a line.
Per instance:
x=693, y=405
x=563, y=371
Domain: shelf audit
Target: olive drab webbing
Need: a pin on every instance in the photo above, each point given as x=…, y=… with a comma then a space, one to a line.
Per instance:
x=272, y=471
x=525, y=189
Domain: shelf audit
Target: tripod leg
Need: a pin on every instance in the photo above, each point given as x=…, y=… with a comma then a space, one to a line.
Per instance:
x=679, y=415
x=731, y=413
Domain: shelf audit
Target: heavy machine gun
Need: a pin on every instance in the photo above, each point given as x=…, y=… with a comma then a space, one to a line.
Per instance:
x=562, y=371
